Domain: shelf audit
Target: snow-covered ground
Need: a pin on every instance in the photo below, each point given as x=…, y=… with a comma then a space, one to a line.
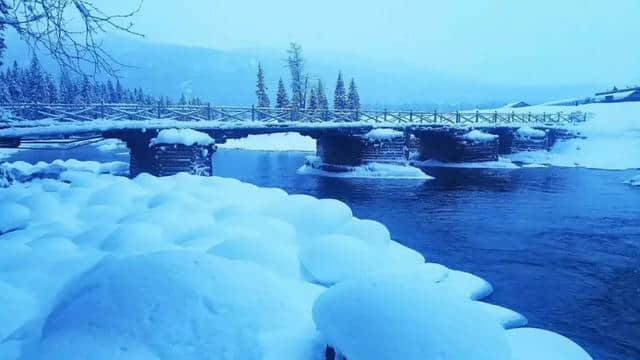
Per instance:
x=611, y=138
x=96, y=266
x=313, y=165
x=272, y=142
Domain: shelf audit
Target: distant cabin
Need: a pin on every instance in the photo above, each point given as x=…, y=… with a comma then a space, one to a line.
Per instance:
x=628, y=94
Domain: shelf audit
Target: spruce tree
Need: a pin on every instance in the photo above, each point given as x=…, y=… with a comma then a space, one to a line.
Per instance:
x=340, y=97
x=295, y=61
x=353, y=99
x=15, y=83
x=86, y=90
x=34, y=82
x=282, y=100
x=183, y=100
x=65, y=88
x=111, y=92
x=120, y=95
x=5, y=98
x=323, y=103
x=261, y=89
x=51, y=90
x=313, y=100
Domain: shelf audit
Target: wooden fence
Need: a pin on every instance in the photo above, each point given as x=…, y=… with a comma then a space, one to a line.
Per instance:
x=89, y=112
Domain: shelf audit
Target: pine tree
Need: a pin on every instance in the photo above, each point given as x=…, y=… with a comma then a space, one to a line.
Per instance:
x=111, y=92
x=5, y=98
x=323, y=103
x=14, y=83
x=183, y=100
x=299, y=80
x=65, y=88
x=34, y=82
x=50, y=89
x=120, y=95
x=282, y=100
x=353, y=99
x=313, y=100
x=261, y=89
x=340, y=97
x=86, y=90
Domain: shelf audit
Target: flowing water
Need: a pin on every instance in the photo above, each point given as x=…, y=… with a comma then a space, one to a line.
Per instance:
x=559, y=245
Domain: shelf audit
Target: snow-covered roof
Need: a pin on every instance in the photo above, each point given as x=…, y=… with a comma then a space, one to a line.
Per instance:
x=617, y=96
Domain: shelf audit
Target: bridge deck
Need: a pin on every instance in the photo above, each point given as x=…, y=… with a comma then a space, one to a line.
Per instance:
x=62, y=120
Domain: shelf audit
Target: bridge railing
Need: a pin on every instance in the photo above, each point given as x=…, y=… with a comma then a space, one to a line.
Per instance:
x=28, y=112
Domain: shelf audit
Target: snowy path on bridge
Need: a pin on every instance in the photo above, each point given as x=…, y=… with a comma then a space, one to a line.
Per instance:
x=184, y=267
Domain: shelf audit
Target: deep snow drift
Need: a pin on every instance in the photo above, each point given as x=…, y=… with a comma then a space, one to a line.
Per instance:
x=272, y=142
x=184, y=267
x=611, y=138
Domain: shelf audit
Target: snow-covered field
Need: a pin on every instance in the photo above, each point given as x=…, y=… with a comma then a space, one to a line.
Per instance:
x=272, y=142
x=97, y=266
x=611, y=138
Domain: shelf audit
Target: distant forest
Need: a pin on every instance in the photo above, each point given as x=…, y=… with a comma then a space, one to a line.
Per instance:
x=34, y=84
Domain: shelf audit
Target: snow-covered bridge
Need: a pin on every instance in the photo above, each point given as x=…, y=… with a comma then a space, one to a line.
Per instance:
x=344, y=137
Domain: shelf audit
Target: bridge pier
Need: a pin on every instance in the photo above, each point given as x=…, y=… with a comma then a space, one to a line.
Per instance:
x=166, y=159
x=339, y=152
x=454, y=145
x=513, y=140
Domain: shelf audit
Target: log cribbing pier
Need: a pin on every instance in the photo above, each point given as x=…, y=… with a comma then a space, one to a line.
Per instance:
x=340, y=134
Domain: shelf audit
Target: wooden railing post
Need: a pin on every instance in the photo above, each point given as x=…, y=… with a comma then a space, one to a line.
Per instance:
x=477, y=116
x=253, y=113
x=101, y=109
x=495, y=117
x=158, y=111
x=457, y=117
x=435, y=116
x=385, y=115
x=411, y=116
x=544, y=117
x=208, y=111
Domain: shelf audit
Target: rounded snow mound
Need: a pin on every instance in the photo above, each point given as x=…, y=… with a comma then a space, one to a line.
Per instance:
x=407, y=316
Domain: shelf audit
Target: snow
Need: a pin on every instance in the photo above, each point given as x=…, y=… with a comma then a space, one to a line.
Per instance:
x=528, y=132
x=366, y=171
x=407, y=316
x=184, y=267
x=479, y=136
x=536, y=344
x=634, y=181
x=108, y=145
x=186, y=137
x=288, y=141
x=383, y=134
x=610, y=138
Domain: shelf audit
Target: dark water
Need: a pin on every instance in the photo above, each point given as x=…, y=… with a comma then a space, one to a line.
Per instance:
x=559, y=245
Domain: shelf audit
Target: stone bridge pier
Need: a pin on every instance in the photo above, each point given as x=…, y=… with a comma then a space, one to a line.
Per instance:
x=456, y=145
x=164, y=159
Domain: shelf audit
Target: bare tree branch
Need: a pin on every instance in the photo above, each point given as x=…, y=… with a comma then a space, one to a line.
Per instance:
x=46, y=25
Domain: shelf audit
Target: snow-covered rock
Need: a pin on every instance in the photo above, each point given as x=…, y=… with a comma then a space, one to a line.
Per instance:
x=479, y=136
x=186, y=137
x=536, y=344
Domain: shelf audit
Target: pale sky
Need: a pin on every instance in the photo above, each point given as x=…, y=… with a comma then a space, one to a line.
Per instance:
x=516, y=42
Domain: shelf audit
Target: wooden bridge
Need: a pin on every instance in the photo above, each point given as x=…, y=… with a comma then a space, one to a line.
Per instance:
x=341, y=135
x=25, y=114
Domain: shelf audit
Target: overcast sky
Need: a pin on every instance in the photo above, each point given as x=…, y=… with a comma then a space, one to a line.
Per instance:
x=499, y=41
